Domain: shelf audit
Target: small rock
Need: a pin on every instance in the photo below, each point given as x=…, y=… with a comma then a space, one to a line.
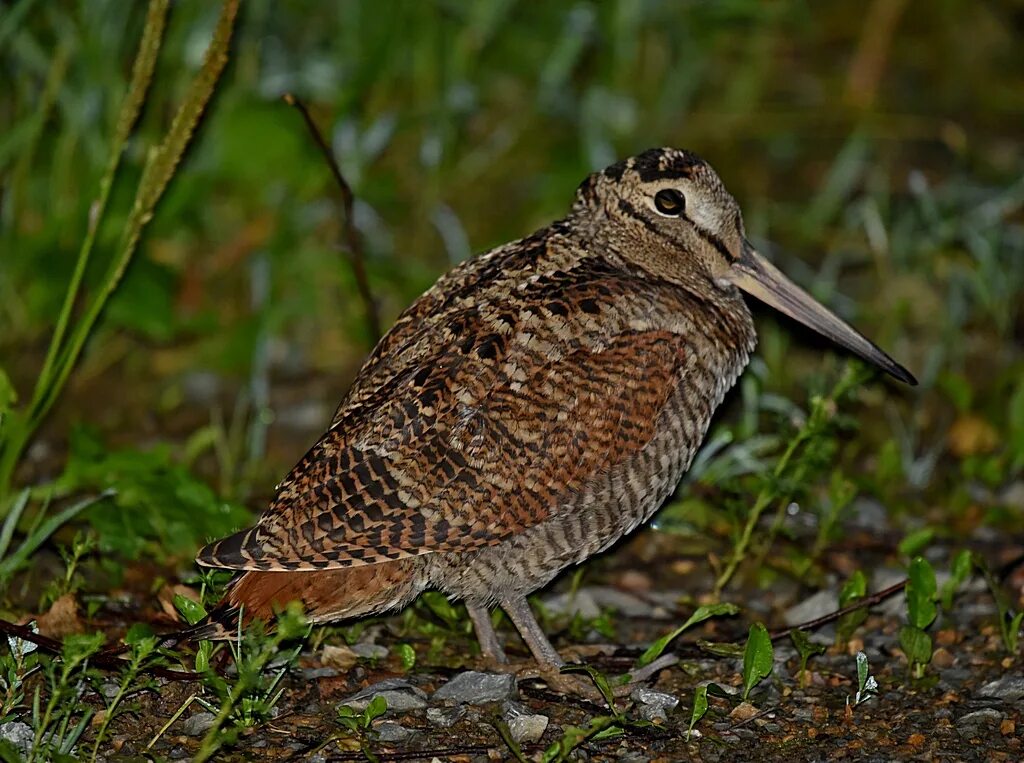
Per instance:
x=884, y=577
x=311, y=674
x=446, y=717
x=475, y=688
x=985, y=715
x=393, y=733
x=18, y=734
x=370, y=651
x=627, y=603
x=817, y=605
x=400, y=695
x=524, y=726
x=110, y=690
x=942, y=658
x=744, y=711
x=575, y=603
x=1007, y=688
x=653, y=705
x=340, y=657
x=198, y=724
x=1013, y=496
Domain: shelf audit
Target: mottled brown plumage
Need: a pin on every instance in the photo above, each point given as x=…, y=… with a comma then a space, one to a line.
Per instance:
x=536, y=404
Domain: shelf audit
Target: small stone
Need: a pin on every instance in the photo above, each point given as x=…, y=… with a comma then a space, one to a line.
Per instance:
x=576, y=603
x=744, y=711
x=393, y=733
x=817, y=605
x=943, y=658
x=198, y=724
x=985, y=715
x=18, y=734
x=311, y=674
x=446, y=717
x=400, y=695
x=1007, y=688
x=525, y=727
x=370, y=651
x=340, y=657
x=653, y=705
x=630, y=605
x=474, y=688
x=1007, y=727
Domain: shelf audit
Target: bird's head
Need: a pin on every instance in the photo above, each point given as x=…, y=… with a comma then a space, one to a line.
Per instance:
x=668, y=213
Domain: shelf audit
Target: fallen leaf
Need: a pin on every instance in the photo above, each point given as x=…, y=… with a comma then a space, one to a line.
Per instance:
x=971, y=435
x=340, y=657
x=62, y=619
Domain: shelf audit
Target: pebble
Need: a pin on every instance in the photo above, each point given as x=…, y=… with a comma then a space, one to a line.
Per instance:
x=894, y=606
x=624, y=602
x=400, y=695
x=474, y=688
x=817, y=605
x=311, y=674
x=18, y=734
x=446, y=717
x=198, y=724
x=525, y=726
x=571, y=604
x=1007, y=688
x=968, y=724
x=653, y=705
x=370, y=651
x=393, y=733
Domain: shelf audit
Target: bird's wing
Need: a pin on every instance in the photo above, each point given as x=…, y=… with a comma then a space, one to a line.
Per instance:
x=462, y=451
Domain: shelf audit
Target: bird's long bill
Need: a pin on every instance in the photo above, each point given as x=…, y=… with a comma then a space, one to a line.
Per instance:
x=759, y=278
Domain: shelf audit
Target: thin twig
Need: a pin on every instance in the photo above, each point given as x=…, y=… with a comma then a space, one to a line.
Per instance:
x=353, y=241
x=108, y=659
x=867, y=601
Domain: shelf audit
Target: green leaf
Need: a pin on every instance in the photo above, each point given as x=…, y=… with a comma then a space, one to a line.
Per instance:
x=1011, y=634
x=862, y=670
x=804, y=647
x=959, y=572
x=720, y=648
x=917, y=541
x=703, y=613
x=700, y=707
x=916, y=644
x=854, y=588
x=8, y=395
x=758, y=658
x=852, y=591
x=407, y=655
x=191, y=610
x=377, y=707
x=161, y=509
x=599, y=679
x=921, y=593
x=439, y=604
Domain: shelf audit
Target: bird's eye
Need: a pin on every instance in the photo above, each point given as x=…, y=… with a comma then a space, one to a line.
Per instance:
x=669, y=201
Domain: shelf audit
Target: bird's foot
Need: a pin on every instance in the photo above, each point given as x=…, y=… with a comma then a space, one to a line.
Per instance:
x=581, y=685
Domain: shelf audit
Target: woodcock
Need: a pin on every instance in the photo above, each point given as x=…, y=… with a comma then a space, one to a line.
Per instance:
x=539, y=402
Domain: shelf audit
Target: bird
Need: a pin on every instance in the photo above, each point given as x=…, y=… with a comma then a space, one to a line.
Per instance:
x=539, y=402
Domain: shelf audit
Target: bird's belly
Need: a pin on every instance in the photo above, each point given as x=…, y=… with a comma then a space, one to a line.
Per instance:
x=613, y=503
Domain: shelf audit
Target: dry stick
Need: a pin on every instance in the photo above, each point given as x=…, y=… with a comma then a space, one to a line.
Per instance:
x=353, y=241
x=867, y=601
x=107, y=659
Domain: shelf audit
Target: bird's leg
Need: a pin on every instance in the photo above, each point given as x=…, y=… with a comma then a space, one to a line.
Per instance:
x=548, y=659
x=490, y=647
x=551, y=662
